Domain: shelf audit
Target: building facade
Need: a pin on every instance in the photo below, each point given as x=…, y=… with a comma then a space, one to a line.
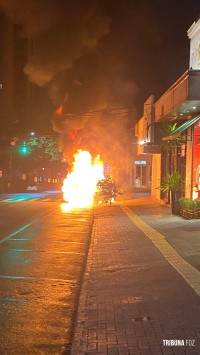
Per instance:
x=24, y=110
x=170, y=130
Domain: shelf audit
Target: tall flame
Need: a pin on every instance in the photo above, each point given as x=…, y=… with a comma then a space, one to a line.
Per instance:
x=80, y=185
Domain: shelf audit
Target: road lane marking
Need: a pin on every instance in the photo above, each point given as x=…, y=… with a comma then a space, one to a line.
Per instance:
x=16, y=277
x=19, y=239
x=69, y=252
x=32, y=278
x=69, y=242
x=45, y=251
x=186, y=270
x=10, y=200
x=16, y=300
x=13, y=200
x=9, y=236
x=21, y=250
x=28, y=199
x=16, y=232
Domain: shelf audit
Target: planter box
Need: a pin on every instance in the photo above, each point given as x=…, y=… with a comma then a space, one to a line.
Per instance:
x=190, y=209
x=190, y=214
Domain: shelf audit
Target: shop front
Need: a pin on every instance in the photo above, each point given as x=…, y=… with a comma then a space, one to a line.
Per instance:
x=196, y=161
x=142, y=173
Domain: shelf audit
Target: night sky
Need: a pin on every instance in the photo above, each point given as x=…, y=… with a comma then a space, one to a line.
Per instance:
x=100, y=55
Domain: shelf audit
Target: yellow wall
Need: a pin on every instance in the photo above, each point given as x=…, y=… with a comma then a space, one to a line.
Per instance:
x=156, y=176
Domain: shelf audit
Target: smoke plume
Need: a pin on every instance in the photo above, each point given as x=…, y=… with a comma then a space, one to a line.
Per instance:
x=73, y=57
x=58, y=30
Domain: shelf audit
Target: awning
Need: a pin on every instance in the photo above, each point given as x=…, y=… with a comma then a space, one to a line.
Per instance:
x=183, y=127
x=151, y=148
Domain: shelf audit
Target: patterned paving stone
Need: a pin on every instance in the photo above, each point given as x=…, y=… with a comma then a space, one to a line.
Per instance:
x=135, y=292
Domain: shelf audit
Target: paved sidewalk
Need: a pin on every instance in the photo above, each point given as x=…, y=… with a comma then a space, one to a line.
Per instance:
x=140, y=291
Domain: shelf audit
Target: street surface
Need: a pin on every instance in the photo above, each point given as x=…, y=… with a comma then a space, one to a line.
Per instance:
x=141, y=286
x=43, y=251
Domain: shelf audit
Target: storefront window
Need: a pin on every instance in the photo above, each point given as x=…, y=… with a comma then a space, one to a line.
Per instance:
x=196, y=161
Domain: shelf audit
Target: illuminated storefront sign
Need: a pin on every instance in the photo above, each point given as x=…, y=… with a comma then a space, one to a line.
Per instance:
x=140, y=162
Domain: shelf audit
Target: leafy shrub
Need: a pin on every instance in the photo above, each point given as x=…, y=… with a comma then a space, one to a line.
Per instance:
x=171, y=182
x=189, y=204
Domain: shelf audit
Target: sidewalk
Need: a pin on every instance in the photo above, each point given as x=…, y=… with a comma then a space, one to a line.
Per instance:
x=139, y=295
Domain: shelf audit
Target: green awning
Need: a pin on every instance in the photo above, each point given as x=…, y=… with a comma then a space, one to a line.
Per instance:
x=183, y=127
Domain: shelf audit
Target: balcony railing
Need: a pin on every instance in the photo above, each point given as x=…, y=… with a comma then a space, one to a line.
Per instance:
x=179, y=97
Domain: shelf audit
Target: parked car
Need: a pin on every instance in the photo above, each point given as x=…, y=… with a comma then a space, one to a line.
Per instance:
x=33, y=188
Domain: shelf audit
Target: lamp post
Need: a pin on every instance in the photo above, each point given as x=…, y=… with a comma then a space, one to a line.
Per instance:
x=10, y=181
x=10, y=163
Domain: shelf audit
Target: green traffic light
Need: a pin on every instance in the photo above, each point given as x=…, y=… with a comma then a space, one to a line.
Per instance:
x=24, y=149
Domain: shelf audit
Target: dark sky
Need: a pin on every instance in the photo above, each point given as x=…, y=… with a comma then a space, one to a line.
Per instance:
x=126, y=49
x=151, y=38
x=166, y=58
x=98, y=55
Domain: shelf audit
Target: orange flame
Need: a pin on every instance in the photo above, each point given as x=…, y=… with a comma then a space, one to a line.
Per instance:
x=80, y=185
x=59, y=110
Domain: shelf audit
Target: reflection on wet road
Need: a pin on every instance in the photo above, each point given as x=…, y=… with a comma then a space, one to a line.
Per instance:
x=41, y=263
x=18, y=197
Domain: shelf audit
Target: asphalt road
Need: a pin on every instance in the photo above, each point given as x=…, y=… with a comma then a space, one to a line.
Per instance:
x=43, y=250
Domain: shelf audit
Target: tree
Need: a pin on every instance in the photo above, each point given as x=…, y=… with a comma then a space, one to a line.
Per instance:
x=47, y=144
x=106, y=190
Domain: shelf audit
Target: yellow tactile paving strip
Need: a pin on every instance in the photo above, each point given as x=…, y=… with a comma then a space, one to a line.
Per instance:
x=186, y=270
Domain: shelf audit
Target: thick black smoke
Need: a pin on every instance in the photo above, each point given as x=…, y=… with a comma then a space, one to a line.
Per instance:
x=79, y=51
x=59, y=31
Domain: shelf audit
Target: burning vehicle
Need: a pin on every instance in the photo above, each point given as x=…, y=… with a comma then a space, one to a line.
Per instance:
x=80, y=185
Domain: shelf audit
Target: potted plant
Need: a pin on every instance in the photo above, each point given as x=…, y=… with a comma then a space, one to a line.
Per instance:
x=172, y=184
x=190, y=209
x=198, y=208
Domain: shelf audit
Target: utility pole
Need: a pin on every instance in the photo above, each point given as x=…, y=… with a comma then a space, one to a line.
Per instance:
x=12, y=145
x=10, y=181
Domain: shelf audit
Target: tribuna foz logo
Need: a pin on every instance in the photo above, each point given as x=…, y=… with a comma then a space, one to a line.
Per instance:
x=179, y=342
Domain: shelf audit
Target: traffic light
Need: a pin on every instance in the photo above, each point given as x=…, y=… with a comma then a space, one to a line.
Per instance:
x=24, y=149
